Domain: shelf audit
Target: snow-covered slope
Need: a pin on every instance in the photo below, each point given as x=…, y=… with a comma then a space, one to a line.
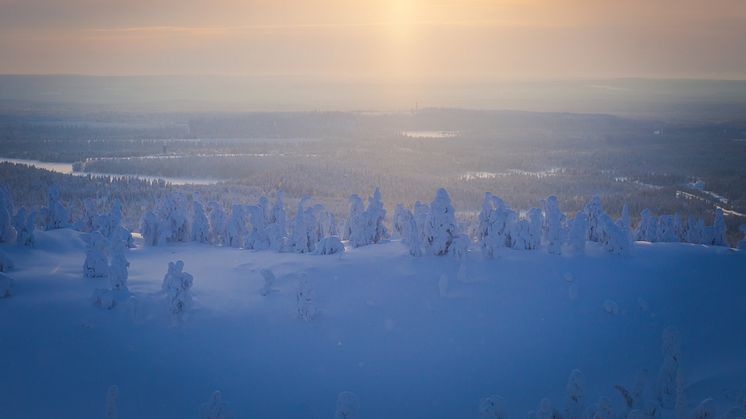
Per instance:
x=412, y=337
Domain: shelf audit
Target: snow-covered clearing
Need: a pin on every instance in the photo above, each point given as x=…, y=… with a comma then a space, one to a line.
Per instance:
x=423, y=337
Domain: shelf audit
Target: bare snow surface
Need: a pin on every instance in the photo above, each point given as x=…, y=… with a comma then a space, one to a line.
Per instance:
x=407, y=337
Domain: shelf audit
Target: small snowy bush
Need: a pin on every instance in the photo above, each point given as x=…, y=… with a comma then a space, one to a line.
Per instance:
x=575, y=390
x=492, y=407
x=215, y=408
x=6, y=284
x=269, y=281
x=330, y=245
x=111, y=402
x=304, y=296
x=6, y=263
x=348, y=406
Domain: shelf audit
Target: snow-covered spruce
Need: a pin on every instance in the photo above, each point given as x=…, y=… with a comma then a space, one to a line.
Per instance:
x=667, y=229
x=441, y=224
x=56, y=215
x=177, y=285
x=277, y=229
x=665, y=387
x=494, y=229
x=235, y=231
x=492, y=407
x=299, y=240
x=24, y=226
x=168, y=223
x=366, y=227
x=553, y=225
x=96, y=263
x=7, y=231
x=612, y=237
x=218, y=222
x=6, y=285
x=348, y=406
x=578, y=233
x=648, y=228
x=257, y=238
x=200, y=227
x=717, y=236
x=593, y=211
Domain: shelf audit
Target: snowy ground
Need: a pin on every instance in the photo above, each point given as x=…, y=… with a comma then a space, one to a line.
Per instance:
x=409, y=342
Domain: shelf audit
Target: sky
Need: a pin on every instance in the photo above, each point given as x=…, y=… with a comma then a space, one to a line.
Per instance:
x=401, y=40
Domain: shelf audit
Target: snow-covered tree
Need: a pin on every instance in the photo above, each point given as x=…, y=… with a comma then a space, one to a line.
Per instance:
x=520, y=235
x=353, y=230
x=594, y=210
x=495, y=222
x=718, y=229
x=400, y=220
x=667, y=229
x=376, y=214
x=24, y=226
x=118, y=272
x=623, y=220
x=304, y=297
x=575, y=389
x=235, y=231
x=7, y=231
x=277, y=229
x=742, y=242
x=695, y=230
x=330, y=245
x=57, y=216
x=366, y=227
x=200, y=226
x=492, y=407
x=648, y=228
x=269, y=281
x=96, y=263
x=613, y=239
x=257, y=238
x=534, y=227
x=6, y=263
x=441, y=224
x=348, y=406
x=218, y=222
x=299, y=240
x=215, y=408
x=6, y=285
x=578, y=233
x=553, y=220
x=111, y=402
x=665, y=388
x=177, y=285
x=413, y=238
x=150, y=229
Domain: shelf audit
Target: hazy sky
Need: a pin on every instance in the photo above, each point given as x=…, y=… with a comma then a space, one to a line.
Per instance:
x=385, y=39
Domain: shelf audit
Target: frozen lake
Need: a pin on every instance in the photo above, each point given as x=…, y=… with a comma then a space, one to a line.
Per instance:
x=67, y=168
